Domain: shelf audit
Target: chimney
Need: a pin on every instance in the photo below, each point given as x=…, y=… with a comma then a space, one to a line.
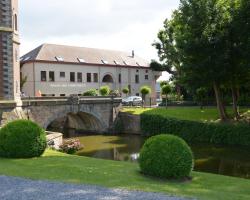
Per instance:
x=133, y=53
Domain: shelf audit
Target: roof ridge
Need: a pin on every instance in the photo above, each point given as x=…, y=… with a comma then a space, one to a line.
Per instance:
x=93, y=48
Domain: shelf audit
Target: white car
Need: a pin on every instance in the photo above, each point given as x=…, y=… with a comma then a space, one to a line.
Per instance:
x=132, y=101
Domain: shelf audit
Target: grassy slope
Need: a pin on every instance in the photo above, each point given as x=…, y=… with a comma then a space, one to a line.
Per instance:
x=73, y=169
x=186, y=113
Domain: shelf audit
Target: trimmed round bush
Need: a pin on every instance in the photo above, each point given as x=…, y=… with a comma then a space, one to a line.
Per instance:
x=104, y=90
x=166, y=156
x=91, y=92
x=22, y=139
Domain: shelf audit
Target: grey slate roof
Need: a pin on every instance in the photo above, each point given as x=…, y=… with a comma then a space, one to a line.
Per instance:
x=72, y=54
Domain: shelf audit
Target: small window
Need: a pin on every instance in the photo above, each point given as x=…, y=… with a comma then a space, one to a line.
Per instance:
x=59, y=58
x=52, y=76
x=137, y=70
x=62, y=95
x=72, y=76
x=105, y=62
x=146, y=77
x=137, y=78
x=79, y=77
x=137, y=94
x=146, y=71
x=81, y=60
x=43, y=76
x=120, y=78
x=62, y=74
x=15, y=22
x=95, y=77
x=89, y=77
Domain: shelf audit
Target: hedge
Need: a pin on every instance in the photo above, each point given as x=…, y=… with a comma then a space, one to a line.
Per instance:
x=194, y=131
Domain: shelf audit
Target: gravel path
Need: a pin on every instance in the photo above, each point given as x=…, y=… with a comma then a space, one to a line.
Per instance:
x=23, y=189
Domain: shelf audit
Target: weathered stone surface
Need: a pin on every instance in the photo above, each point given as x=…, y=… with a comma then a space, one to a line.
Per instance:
x=55, y=138
x=129, y=123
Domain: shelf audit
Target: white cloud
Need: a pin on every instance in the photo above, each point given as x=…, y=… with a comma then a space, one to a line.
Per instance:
x=108, y=24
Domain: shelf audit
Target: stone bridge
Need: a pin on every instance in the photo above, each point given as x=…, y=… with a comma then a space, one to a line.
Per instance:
x=96, y=114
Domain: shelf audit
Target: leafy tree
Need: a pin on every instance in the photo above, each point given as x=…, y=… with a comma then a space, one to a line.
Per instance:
x=145, y=90
x=166, y=90
x=125, y=91
x=104, y=90
x=162, y=83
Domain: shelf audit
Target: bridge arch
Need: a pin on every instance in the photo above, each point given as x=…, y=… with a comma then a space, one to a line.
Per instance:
x=82, y=120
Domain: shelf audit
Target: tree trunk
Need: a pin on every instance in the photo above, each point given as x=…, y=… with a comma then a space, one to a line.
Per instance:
x=235, y=102
x=220, y=106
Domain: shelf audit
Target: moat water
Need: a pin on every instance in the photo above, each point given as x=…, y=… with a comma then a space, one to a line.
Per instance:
x=231, y=161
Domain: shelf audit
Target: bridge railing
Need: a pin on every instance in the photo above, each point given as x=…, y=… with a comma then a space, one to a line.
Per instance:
x=66, y=98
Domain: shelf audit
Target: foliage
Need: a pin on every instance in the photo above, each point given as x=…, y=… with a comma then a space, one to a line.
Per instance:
x=155, y=122
x=206, y=44
x=145, y=90
x=71, y=146
x=91, y=92
x=59, y=167
x=166, y=89
x=104, y=90
x=158, y=157
x=22, y=139
x=162, y=83
x=125, y=90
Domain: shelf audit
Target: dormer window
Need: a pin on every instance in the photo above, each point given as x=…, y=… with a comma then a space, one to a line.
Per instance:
x=125, y=63
x=105, y=62
x=138, y=64
x=116, y=62
x=81, y=60
x=59, y=58
x=27, y=58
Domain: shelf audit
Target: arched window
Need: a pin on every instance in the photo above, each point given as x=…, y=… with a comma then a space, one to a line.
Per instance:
x=15, y=22
x=108, y=79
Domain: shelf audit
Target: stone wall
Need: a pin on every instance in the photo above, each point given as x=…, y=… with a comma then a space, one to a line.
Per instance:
x=128, y=123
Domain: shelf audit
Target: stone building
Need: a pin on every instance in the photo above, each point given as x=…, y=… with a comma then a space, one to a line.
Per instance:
x=9, y=50
x=57, y=70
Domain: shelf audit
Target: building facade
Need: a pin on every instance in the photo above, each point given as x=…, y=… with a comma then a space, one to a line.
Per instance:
x=56, y=70
x=9, y=50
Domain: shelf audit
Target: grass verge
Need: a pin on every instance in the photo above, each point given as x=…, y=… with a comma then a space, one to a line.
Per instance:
x=184, y=113
x=55, y=166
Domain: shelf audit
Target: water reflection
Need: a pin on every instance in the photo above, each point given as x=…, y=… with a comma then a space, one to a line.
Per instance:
x=233, y=161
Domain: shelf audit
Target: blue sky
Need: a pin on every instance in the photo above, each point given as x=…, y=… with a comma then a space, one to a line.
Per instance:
x=109, y=24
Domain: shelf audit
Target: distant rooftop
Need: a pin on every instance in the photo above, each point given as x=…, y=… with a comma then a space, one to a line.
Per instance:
x=62, y=53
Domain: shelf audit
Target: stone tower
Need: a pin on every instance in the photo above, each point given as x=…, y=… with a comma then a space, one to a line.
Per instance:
x=9, y=50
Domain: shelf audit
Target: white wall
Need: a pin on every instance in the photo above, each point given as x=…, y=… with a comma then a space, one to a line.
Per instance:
x=64, y=86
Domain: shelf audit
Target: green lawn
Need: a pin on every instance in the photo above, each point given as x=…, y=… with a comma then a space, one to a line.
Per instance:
x=56, y=166
x=185, y=113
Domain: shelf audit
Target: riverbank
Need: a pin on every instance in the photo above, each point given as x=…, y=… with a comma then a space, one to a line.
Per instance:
x=54, y=166
x=190, y=123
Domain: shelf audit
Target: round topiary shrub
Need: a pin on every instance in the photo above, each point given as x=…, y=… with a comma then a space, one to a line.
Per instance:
x=166, y=156
x=22, y=139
